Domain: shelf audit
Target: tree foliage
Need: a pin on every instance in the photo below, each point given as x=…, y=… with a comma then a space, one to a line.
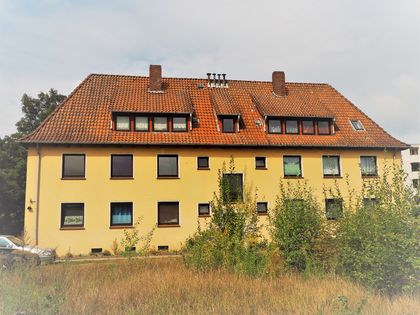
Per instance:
x=13, y=159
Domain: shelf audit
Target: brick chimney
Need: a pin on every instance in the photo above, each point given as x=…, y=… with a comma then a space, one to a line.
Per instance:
x=279, y=83
x=155, y=78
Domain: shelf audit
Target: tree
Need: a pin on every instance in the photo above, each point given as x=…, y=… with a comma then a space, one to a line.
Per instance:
x=13, y=159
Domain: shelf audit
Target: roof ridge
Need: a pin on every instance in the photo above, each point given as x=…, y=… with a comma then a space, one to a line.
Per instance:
x=367, y=116
x=202, y=79
x=56, y=109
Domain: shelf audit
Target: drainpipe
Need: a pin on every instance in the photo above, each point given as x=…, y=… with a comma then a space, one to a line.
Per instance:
x=38, y=179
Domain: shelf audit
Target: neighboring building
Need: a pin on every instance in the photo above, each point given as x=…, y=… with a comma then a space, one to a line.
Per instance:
x=124, y=147
x=411, y=164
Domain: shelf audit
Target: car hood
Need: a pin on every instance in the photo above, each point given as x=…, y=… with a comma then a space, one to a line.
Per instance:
x=39, y=251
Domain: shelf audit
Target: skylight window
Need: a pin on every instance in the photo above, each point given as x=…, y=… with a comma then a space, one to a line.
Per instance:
x=357, y=125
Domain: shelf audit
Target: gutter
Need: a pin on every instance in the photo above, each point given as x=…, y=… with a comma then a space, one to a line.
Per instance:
x=38, y=180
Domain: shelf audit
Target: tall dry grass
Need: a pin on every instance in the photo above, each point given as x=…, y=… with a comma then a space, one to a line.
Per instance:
x=165, y=286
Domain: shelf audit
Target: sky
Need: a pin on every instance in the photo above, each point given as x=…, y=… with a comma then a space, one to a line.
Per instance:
x=367, y=50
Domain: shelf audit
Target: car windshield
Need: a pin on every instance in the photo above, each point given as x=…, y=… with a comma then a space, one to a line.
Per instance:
x=15, y=240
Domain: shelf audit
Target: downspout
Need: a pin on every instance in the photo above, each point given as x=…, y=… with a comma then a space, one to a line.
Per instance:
x=38, y=180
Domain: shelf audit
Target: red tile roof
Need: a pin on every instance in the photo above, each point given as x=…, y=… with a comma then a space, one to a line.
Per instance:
x=84, y=118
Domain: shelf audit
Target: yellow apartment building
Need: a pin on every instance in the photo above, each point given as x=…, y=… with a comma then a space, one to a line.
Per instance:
x=121, y=148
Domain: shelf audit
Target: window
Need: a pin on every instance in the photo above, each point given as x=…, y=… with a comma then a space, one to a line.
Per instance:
x=414, y=151
x=142, y=123
x=73, y=165
x=121, y=213
x=415, y=166
x=228, y=125
x=415, y=183
x=72, y=214
x=168, y=213
x=262, y=207
x=167, y=165
x=260, y=162
x=292, y=126
x=274, y=126
x=308, y=127
x=122, y=123
x=179, y=124
x=369, y=202
x=233, y=187
x=121, y=165
x=357, y=125
x=160, y=124
x=331, y=165
x=203, y=209
x=368, y=165
x=292, y=166
x=203, y=163
x=323, y=127
x=4, y=243
x=334, y=208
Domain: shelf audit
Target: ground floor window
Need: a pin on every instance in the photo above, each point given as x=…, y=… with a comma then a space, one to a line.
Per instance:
x=72, y=214
x=168, y=213
x=121, y=213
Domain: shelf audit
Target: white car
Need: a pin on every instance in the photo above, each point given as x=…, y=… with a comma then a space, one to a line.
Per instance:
x=9, y=243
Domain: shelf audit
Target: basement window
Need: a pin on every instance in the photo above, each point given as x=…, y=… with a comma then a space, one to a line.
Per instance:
x=262, y=207
x=357, y=125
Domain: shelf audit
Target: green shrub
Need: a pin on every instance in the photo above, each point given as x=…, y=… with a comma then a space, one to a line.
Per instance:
x=378, y=242
x=132, y=239
x=232, y=239
x=296, y=224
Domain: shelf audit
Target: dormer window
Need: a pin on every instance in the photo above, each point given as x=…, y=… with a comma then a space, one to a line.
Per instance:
x=308, y=127
x=228, y=125
x=274, y=125
x=142, y=123
x=324, y=127
x=122, y=123
x=160, y=124
x=179, y=124
x=292, y=126
x=357, y=125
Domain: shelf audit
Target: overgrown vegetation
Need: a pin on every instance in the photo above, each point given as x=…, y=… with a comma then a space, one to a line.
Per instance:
x=296, y=225
x=165, y=286
x=378, y=241
x=134, y=243
x=232, y=239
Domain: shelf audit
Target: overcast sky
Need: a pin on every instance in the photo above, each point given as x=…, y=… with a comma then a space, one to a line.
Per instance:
x=368, y=50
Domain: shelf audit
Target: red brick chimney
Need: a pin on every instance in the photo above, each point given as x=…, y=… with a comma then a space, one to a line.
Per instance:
x=155, y=78
x=279, y=83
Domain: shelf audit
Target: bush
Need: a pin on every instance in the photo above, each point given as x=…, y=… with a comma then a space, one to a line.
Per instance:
x=295, y=225
x=378, y=242
x=232, y=240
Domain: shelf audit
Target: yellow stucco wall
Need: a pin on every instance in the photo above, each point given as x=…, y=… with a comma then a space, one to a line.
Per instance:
x=145, y=190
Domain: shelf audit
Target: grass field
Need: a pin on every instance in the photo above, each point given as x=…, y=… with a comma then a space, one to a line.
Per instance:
x=165, y=286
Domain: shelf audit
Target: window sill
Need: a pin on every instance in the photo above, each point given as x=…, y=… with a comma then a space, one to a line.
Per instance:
x=70, y=228
x=204, y=215
x=116, y=227
x=261, y=168
x=203, y=168
x=293, y=177
x=370, y=176
x=123, y=178
x=168, y=225
x=73, y=178
x=333, y=176
x=262, y=214
x=168, y=177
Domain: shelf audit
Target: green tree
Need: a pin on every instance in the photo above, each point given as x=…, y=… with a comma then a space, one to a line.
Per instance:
x=13, y=159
